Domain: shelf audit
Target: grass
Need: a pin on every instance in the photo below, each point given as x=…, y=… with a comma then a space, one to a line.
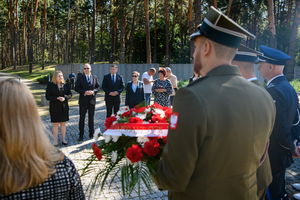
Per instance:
x=296, y=84
x=37, y=71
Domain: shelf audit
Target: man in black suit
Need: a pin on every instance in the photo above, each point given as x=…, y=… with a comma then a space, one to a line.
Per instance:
x=112, y=85
x=87, y=86
x=285, y=98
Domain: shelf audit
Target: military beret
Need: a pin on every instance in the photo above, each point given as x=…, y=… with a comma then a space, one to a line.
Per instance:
x=246, y=54
x=273, y=56
x=221, y=29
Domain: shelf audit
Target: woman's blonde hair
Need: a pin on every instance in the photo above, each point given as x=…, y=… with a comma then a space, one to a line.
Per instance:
x=55, y=75
x=26, y=154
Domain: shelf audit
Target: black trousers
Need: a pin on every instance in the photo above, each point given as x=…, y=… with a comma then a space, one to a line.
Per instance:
x=82, y=112
x=112, y=104
x=277, y=187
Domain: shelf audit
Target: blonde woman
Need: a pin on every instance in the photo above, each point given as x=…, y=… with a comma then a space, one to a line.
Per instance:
x=31, y=167
x=58, y=93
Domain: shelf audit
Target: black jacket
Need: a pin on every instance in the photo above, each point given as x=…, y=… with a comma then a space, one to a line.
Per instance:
x=134, y=98
x=82, y=85
x=59, y=111
x=108, y=85
x=281, y=143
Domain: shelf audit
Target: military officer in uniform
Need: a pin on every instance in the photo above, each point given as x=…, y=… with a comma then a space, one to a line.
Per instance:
x=245, y=58
x=220, y=132
x=281, y=146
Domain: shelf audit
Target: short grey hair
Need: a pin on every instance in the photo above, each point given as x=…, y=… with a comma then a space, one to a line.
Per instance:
x=168, y=69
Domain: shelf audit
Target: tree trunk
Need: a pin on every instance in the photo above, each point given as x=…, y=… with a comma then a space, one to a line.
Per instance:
x=67, y=60
x=13, y=24
x=229, y=7
x=130, y=42
x=293, y=42
x=190, y=22
x=113, y=33
x=31, y=23
x=167, y=37
x=270, y=6
x=92, y=43
x=147, y=29
x=197, y=11
x=44, y=34
x=155, y=33
x=123, y=34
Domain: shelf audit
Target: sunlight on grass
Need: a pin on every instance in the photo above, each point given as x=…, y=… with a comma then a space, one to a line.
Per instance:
x=37, y=71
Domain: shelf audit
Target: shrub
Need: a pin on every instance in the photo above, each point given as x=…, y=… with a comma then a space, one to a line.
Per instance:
x=296, y=84
x=45, y=79
x=182, y=83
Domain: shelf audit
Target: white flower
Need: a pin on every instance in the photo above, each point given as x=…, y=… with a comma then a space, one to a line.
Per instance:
x=142, y=139
x=115, y=138
x=123, y=110
x=141, y=116
x=107, y=138
x=114, y=156
x=148, y=110
x=115, y=122
x=96, y=133
x=160, y=112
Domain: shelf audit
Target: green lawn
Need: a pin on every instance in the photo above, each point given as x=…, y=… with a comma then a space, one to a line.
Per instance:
x=37, y=71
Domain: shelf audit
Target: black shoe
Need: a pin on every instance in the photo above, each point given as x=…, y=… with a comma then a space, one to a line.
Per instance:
x=91, y=136
x=80, y=139
x=64, y=143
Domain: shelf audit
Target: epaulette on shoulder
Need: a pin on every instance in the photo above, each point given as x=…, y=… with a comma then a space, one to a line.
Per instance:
x=196, y=81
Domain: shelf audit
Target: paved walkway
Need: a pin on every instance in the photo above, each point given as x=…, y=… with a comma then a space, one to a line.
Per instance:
x=78, y=152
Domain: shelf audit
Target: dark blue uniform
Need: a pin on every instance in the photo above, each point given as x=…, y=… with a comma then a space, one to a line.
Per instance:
x=281, y=143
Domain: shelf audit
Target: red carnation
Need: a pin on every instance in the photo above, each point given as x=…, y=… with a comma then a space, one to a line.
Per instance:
x=168, y=112
x=97, y=151
x=135, y=120
x=134, y=153
x=126, y=114
x=156, y=105
x=139, y=109
x=109, y=121
x=153, y=138
x=151, y=148
x=156, y=118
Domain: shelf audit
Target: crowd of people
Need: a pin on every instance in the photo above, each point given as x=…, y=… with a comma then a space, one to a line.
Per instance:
x=87, y=85
x=233, y=139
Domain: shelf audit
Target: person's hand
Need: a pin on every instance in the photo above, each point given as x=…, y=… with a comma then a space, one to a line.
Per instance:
x=61, y=99
x=91, y=92
x=111, y=94
x=116, y=93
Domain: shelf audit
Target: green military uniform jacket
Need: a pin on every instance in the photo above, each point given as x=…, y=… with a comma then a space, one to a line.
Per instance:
x=223, y=127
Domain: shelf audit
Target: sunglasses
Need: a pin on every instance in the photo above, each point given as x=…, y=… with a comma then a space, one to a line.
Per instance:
x=86, y=68
x=134, y=76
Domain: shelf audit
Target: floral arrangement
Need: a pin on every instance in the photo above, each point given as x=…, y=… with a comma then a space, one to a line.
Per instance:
x=133, y=143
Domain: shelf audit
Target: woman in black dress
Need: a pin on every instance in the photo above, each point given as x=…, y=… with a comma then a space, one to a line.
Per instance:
x=58, y=93
x=134, y=91
x=162, y=89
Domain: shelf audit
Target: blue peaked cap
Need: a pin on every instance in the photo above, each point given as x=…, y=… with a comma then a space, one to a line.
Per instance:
x=273, y=56
x=246, y=54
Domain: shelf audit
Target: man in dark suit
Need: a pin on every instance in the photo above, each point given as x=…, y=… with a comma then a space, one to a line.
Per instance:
x=113, y=86
x=285, y=98
x=245, y=58
x=87, y=86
